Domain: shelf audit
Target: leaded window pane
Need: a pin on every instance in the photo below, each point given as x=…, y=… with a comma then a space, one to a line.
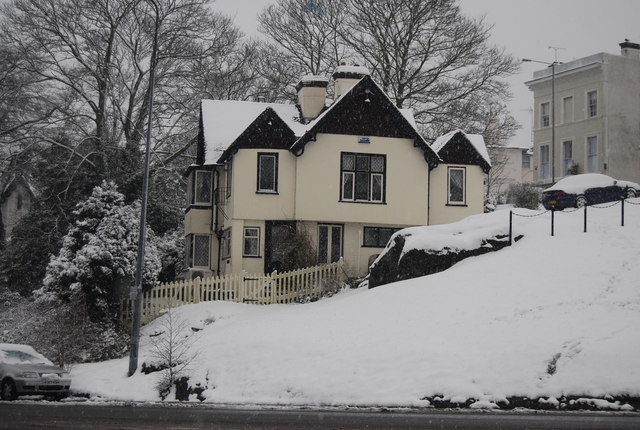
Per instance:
x=362, y=186
x=251, y=242
x=267, y=179
x=201, y=250
x=371, y=235
x=362, y=163
x=376, y=187
x=456, y=185
x=377, y=164
x=347, y=185
x=348, y=162
x=203, y=187
x=336, y=243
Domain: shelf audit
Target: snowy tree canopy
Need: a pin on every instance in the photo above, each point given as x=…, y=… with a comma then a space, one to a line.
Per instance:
x=97, y=260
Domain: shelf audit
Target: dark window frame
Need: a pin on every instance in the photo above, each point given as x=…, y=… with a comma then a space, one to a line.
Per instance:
x=378, y=243
x=274, y=189
x=351, y=189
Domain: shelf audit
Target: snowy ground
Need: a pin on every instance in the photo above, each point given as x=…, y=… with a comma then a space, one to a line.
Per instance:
x=547, y=317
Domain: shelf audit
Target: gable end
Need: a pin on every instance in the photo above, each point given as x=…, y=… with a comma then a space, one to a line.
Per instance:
x=459, y=150
x=267, y=131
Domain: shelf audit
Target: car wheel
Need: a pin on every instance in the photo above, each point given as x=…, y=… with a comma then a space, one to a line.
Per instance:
x=8, y=390
x=630, y=194
x=581, y=201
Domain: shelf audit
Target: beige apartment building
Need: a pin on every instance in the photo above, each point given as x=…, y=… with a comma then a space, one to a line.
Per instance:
x=595, y=117
x=344, y=174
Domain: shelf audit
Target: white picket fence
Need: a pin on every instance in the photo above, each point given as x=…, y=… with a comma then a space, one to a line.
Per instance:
x=288, y=287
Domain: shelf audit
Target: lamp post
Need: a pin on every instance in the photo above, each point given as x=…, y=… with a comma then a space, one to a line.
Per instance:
x=553, y=112
x=136, y=289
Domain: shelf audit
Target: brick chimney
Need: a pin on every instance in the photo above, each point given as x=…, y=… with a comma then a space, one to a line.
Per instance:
x=346, y=77
x=312, y=94
x=630, y=49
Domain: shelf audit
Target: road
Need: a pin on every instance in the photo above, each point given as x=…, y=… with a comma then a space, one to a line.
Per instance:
x=48, y=415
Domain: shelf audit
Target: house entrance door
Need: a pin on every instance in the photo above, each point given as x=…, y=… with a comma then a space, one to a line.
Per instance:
x=276, y=233
x=329, y=243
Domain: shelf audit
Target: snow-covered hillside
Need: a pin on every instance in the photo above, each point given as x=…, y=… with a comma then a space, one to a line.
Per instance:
x=547, y=317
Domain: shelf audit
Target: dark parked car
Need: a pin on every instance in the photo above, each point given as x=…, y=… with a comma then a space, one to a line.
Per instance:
x=587, y=189
x=24, y=371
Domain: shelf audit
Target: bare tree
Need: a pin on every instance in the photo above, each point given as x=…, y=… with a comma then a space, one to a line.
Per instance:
x=425, y=54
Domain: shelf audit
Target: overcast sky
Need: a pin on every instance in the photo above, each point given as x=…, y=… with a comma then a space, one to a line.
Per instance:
x=526, y=29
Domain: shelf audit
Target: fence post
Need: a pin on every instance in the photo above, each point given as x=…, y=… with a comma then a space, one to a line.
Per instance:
x=510, y=228
x=553, y=211
x=585, y=218
x=622, y=213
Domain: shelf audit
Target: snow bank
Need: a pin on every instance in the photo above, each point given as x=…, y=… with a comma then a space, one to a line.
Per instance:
x=548, y=317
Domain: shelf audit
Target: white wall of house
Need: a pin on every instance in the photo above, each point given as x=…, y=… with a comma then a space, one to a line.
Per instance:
x=441, y=209
x=318, y=182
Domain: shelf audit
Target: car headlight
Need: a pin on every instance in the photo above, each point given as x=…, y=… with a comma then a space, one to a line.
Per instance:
x=28, y=375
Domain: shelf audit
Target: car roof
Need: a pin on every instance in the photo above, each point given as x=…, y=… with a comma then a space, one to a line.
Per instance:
x=579, y=183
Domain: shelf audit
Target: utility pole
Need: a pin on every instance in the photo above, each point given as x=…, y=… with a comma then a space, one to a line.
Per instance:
x=136, y=289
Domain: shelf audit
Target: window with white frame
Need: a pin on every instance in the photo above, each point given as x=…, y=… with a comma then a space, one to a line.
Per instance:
x=198, y=250
x=592, y=154
x=456, y=193
x=545, y=171
x=225, y=245
x=526, y=160
x=567, y=151
x=544, y=114
x=592, y=103
x=251, y=242
x=363, y=177
x=267, y=172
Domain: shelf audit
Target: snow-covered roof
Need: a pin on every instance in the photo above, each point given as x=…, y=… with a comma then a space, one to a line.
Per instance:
x=314, y=78
x=361, y=70
x=223, y=121
x=476, y=140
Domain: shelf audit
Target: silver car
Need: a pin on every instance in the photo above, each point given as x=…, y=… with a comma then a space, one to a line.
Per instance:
x=24, y=371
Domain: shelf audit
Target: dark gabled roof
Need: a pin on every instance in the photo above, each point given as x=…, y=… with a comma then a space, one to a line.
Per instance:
x=267, y=131
x=457, y=147
x=367, y=111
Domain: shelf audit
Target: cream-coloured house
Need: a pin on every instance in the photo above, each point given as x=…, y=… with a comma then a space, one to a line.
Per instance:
x=345, y=175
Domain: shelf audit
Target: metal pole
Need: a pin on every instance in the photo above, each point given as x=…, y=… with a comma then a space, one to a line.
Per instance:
x=553, y=211
x=553, y=122
x=136, y=290
x=585, y=218
x=622, y=213
x=510, y=227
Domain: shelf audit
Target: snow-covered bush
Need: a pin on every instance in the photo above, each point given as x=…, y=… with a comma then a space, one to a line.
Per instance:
x=97, y=261
x=524, y=196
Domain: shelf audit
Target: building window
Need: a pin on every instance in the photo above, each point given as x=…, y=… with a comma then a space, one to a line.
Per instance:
x=592, y=103
x=363, y=177
x=203, y=187
x=456, y=186
x=544, y=114
x=251, y=247
x=567, y=109
x=592, y=153
x=526, y=160
x=198, y=248
x=545, y=171
x=267, y=172
x=567, y=150
x=225, y=246
x=228, y=179
x=377, y=237
x=329, y=243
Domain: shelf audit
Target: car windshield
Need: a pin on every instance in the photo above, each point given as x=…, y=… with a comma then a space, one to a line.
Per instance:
x=10, y=356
